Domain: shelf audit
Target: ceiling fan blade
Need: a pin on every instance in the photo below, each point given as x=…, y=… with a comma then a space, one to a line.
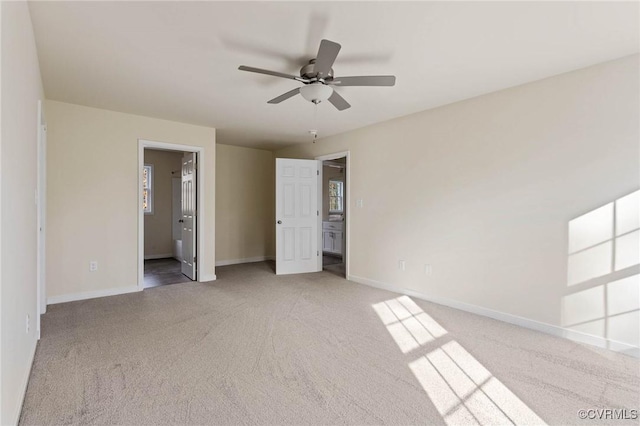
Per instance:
x=285, y=96
x=273, y=73
x=327, y=54
x=338, y=101
x=371, y=80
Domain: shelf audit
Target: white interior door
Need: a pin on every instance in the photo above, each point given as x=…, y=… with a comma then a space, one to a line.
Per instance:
x=176, y=217
x=297, y=216
x=189, y=213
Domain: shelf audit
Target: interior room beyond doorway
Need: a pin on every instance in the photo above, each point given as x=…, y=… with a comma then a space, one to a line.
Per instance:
x=333, y=215
x=162, y=204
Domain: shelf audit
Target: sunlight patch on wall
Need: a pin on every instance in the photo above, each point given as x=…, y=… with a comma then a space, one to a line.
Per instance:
x=591, y=228
x=627, y=250
x=590, y=263
x=407, y=323
x=584, y=306
x=604, y=254
x=628, y=213
x=625, y=328
x=610, y=311
x=604, y=240
x=623, y=295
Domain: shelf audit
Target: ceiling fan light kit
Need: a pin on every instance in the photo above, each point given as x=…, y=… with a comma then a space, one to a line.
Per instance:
x=316, y=92
x=317, y=78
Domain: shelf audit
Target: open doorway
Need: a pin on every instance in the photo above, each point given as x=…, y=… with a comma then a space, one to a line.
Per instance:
x=169, y=188
x=334, y=214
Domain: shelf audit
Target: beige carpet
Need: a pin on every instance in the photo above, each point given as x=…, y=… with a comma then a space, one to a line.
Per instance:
x=253, y=348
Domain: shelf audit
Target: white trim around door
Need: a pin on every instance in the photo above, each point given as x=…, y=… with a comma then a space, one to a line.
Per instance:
x=41, y=202
x=347, y=189
x=200, y=188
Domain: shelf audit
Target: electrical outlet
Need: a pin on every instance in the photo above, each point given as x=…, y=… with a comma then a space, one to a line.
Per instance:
x=28, y=325
x=359, y=203
x=428, y=270
x=93, y=266
x=401, y=265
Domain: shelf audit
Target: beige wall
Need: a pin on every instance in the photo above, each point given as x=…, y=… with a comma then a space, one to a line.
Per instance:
x=21, y=89
x=327, y=174
x=245, y=196
x=483, y=190
x=92, y=171
x=158, y=235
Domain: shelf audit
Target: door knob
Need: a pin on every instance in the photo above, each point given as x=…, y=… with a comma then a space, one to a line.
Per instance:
x=181, y=221
x=279, y=222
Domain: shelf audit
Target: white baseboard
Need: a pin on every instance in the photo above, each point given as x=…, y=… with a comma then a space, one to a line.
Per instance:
x=207, y=278
x=158, y=256
x=245, y=260
x=91, y=294
x=23, y=386
x=554, y=330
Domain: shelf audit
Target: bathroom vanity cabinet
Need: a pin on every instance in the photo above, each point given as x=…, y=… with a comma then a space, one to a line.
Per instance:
x=332, y=237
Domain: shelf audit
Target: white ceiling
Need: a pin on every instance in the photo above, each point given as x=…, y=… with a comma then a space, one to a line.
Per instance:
x=179, y=60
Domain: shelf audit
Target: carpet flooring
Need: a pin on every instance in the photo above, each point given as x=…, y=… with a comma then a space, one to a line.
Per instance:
x=255, y=348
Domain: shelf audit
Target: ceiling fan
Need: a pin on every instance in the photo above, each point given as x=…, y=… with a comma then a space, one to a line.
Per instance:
x=319, y=82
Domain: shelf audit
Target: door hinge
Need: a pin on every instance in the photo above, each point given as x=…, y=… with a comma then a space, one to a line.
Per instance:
x=317, y=253
x=317, y=212
x=317, y=172
x=195, y=258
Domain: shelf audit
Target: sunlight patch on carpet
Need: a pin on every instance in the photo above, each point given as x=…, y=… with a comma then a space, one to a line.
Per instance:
x=459, y=386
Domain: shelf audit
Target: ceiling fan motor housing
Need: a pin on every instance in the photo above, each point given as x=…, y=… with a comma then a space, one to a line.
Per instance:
x=308, y=72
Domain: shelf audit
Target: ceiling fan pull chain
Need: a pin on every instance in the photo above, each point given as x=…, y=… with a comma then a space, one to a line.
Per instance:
x=315, y=122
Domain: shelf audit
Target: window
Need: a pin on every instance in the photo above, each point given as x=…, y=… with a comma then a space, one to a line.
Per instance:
x=336, y=196
x=147, y=188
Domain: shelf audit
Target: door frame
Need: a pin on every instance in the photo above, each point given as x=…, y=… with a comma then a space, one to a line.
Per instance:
x=347, y=197
x=200, y=190
x=41, y=200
